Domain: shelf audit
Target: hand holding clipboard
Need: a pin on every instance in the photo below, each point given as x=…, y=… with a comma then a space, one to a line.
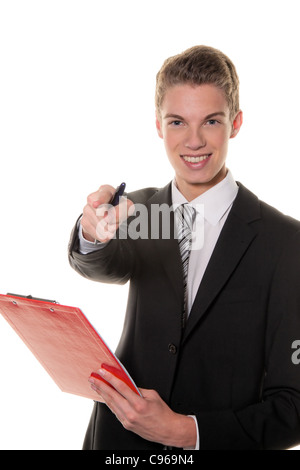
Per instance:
x=64, y=342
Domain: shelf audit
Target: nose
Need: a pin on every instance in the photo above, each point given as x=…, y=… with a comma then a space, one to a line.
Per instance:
x=195, y=139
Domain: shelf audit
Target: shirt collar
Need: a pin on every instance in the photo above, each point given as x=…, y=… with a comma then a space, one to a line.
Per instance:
x=215, y=202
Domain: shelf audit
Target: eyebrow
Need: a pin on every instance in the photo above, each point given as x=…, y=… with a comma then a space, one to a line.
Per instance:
x=180, y=118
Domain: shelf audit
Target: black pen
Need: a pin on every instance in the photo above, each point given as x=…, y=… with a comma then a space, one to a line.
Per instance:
x=118, y=194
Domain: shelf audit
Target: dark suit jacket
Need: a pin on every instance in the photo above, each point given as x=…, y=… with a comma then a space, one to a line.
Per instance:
x=232, y=366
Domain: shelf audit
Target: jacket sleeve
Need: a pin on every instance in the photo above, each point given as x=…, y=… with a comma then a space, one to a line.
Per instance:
x=112, y=264
x=274, y=423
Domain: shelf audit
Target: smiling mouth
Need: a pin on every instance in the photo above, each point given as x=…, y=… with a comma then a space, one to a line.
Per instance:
x=196, y=159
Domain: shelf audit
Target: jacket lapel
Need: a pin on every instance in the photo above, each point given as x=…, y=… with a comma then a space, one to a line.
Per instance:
x=235, y=238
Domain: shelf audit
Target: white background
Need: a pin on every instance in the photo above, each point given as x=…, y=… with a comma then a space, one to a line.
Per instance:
x=77, y=110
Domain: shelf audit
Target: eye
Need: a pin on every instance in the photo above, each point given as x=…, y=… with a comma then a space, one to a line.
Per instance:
x=212, y=122
x=175, y=123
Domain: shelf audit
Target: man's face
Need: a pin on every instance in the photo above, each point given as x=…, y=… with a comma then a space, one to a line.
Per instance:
x=196, y=127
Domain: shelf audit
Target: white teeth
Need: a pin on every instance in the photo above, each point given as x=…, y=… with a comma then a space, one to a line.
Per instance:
x=195, y=159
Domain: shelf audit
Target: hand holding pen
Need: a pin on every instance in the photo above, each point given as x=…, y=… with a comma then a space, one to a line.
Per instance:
x=105, y=210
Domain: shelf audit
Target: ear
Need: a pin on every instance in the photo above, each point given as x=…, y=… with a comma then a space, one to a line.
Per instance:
x=158, y=127
x=236, y=125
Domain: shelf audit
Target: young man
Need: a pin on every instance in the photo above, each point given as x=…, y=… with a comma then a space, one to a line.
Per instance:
x=213, y=351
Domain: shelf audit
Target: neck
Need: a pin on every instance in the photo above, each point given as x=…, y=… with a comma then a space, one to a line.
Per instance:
x=193, y=190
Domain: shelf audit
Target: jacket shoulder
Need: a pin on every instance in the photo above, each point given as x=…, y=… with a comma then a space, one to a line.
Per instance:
x=251, y=207
x=142, y=196
x=278, y=220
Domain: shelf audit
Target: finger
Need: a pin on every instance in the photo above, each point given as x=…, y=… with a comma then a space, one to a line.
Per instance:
x=116, y=402
x=124, y=210
x=89, y=222
x=110, y=218
x=89, y=215
x=97, y=224
x=104, y=231
x=115, y=215
x=102, y=196
x=118, y=385
x=100, y=385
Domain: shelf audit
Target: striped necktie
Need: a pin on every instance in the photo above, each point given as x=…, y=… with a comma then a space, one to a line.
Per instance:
x=186, y=216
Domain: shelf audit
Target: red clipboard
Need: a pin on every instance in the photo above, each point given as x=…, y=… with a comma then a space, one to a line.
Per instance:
x=64, y=342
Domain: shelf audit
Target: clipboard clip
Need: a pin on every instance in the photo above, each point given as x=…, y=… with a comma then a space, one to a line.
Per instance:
x=32, y=298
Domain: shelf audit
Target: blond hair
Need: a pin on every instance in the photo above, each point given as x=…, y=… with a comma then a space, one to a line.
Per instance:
x=199, y=65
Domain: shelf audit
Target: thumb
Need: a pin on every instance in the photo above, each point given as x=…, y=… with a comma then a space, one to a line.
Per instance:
x=102, y=196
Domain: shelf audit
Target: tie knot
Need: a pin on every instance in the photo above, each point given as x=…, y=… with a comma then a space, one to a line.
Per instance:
x=186, y=215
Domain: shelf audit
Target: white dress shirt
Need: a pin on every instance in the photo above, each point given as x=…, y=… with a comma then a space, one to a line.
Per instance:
x=212, y=209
